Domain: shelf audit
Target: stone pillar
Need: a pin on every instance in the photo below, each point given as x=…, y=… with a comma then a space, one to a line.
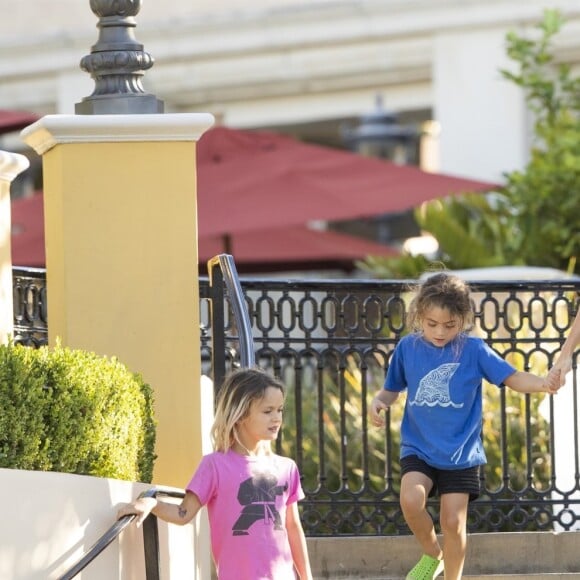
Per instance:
x=476, y=107
x=11, y=165
x=121, y=258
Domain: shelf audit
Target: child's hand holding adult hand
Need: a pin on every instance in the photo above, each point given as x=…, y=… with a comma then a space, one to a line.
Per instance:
x=553, y=381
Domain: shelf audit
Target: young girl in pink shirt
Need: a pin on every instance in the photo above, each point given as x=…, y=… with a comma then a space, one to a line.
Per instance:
x=250, y=492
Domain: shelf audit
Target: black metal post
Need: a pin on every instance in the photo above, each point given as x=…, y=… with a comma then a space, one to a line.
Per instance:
x=217, y=306
x=151, y=548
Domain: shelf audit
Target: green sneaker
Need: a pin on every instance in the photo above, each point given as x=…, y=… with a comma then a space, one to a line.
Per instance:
x=426, y=568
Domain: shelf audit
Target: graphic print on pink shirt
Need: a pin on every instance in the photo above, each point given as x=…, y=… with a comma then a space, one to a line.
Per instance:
x=258, y=496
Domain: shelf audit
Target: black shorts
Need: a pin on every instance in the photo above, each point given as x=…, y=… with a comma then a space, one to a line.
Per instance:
x=445, y=480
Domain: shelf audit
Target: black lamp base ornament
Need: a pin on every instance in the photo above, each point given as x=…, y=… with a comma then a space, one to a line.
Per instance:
x=117, y=64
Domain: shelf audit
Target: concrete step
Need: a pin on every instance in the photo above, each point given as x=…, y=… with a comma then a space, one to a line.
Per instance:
x=490, y=556
x=542, y=576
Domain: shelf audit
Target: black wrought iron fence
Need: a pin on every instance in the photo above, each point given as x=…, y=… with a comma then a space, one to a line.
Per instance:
x=331, y=342
x=30, y=307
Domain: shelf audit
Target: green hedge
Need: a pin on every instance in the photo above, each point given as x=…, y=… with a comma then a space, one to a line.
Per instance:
x=73, y=411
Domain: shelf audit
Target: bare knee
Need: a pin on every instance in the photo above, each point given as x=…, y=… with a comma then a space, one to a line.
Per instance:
x=415, y=487
x=453, y=514
x=452, y=524
x=412, y=503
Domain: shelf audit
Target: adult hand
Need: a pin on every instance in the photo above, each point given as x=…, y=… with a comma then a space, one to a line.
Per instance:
x=562, y=367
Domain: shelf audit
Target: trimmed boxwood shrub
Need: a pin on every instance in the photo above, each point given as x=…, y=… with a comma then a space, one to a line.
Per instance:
x=75, y=412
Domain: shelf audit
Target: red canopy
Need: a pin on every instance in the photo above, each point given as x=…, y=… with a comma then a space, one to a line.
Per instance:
x=258, y=191
x=250, y=180
x=292, y=248
x=289, y=248
x=28, y=231
x=15, y=120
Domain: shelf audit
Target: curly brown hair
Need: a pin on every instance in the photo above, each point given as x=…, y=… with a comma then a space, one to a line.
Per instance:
x=445, y=291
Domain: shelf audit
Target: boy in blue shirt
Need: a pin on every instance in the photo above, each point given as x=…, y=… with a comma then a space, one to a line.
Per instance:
x=442, y=369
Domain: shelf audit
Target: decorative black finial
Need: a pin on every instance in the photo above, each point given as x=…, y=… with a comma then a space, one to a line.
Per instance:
x=116, y=63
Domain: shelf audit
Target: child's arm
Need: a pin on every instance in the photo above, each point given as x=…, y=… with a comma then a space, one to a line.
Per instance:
x=524, y=382
x=381, y=402
x=180, y=514
x=297, y=541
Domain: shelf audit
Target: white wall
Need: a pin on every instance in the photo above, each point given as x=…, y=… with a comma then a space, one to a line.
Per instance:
x=50, y=520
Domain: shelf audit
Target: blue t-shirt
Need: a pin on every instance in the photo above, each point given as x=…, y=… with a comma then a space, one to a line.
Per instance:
x=442, y=419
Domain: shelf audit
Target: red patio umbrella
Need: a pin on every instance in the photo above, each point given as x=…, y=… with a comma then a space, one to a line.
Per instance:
x=293, y=248
x=251, y=180
x=250, y=183
x=287, y=248
x=15, y=120
x=28, y=231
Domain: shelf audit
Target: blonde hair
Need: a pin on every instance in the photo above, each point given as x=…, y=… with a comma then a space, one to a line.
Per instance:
x=240, y=389
x=445, y=291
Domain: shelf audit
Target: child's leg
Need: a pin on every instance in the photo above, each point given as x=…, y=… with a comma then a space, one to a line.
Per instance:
x=453, y=519
x=415, y=488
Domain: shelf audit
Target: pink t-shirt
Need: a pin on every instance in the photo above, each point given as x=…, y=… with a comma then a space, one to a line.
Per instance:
x=246, y=498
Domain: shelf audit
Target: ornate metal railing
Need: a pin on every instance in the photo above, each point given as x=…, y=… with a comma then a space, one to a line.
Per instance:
x=331, y=342
x=30, y=309
x=150, y=539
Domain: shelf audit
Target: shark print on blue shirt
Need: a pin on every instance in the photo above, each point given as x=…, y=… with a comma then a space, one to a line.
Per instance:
x=434, y=387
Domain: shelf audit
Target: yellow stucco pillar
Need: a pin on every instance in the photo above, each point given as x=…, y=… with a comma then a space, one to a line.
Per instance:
x=121, y=257
x=11, y=165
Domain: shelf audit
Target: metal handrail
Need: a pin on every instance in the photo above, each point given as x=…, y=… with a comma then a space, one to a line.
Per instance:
x=112, y=533
x=236, y=294
x=150, y=540
x=222, y=268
